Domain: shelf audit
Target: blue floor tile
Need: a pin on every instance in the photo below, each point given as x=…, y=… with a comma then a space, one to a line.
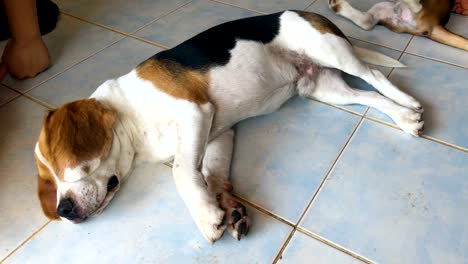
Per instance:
x=70, y=42
x=147, y=222
x=270, y=6
x=280, y=159
x=442, y=90
x=83, y=79
x=429, y=48
x=20, y=209
x=186, y=23
x=395, y=199
x=123, y=15
x=304, y=249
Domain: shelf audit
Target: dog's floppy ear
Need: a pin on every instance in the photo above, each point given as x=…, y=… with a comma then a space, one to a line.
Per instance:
x=48, y=196
x=47, y=191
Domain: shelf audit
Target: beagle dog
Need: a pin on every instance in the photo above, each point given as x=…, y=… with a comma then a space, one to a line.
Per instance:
x=182, y=103
x=425, y=18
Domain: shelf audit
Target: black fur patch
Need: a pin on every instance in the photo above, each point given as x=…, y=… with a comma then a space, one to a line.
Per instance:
x=212, y=46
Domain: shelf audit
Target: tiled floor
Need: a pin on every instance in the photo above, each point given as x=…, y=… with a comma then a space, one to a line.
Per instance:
x=324, y=184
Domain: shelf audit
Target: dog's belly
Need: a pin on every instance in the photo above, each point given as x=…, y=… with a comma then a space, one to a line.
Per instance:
x=256, y=81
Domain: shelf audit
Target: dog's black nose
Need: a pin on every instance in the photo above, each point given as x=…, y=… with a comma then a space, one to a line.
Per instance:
x=65, y=209
x=113, y=182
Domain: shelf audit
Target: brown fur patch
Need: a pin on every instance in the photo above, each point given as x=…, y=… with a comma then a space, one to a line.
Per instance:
x=47, y=191
x=336, y=8
x=321, y=23
x=76, y=132
x=175, y=80
x=434, y=13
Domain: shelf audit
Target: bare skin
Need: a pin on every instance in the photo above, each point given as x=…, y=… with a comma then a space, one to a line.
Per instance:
x=25, y=54
x=461, y=7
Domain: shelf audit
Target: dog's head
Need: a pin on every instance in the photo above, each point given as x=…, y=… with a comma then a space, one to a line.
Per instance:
x=77, y=160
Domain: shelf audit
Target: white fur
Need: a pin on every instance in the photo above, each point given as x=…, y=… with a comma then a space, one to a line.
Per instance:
x=258, y=79
x=77, y=173
x=401, y=13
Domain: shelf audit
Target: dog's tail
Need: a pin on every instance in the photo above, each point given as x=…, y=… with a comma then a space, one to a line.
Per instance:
x=442, y=35
x=377, y=58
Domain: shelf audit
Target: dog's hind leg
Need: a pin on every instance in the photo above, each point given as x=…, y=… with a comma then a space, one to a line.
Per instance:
x=326, y=46
x=331, y=88
x=442, y=35
x=215, y=168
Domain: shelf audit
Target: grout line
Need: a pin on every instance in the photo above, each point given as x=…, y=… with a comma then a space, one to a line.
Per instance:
x=437, y=60
x=322, y=184
x=149, y=42
x=39, y=101
x=9, y=100
x=391, y=71
x=119, y=32
x=245, y=8
x=265, y=211
x=122, y=32
x=279, y=255
x=313, y=2
x=338, y=107
x=410, y=53
x=373, y=43
x=296, y=226
x=25, y=241
x=62, y=71
x=332, y=167
x=162, y=16
x=334, y=245
x=444, y=143
x=100, y=50
x=131, y=34
x=254, y=205
x=430, y=138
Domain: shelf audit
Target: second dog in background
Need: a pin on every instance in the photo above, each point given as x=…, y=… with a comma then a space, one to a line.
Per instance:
x=425, y=18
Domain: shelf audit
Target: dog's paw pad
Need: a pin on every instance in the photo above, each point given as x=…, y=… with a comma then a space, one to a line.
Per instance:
x=237, y=220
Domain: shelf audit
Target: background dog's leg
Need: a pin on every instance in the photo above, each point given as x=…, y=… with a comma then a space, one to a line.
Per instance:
x=193, y=128
x=440, y=34
x=365, y=20
x=215, y=168
x=331, y=88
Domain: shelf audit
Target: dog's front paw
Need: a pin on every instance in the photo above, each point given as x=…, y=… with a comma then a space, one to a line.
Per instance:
x=410, y=121
x=209, y=219
x=236, y=219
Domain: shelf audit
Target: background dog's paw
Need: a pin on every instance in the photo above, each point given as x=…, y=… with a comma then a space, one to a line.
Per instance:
x=335, y=5
x=236, y=219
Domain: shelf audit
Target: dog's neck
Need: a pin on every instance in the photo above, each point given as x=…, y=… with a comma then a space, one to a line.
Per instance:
x=126, y=140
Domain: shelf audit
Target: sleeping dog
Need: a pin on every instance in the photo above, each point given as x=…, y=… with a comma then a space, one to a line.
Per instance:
x=182, y=103
x=425, y=18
